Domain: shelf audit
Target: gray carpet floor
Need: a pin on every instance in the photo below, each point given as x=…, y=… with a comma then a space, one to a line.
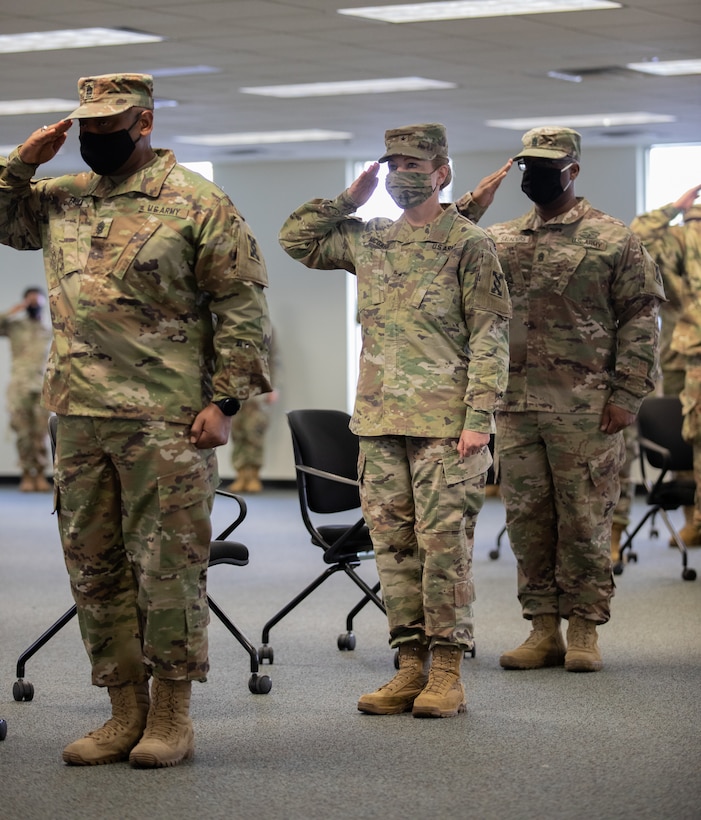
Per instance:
x=546, y=744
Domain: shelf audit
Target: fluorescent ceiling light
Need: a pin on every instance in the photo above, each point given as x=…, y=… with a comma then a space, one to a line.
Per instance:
x=265, y=137
x=52, y=105
x=584, y=120
x=385, y=86
x=667, y=68
x=427, y=12
x=72, y=38
x=182, y=71
x=49, y=105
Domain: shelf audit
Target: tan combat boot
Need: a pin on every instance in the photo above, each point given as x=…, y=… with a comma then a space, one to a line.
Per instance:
x=690, y=533
x=253, y=482
x=444, y=694
x=582, y=646
x=398, y=695
x=617, y=531
x=238, y=485
x=113, y=741
x=41, y=485
x=169, y=737
x=543, y=647
x=26, y=484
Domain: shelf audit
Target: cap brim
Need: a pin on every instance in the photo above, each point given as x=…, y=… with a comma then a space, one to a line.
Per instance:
x=98, y=109
x=405, y=153
x=543, y=153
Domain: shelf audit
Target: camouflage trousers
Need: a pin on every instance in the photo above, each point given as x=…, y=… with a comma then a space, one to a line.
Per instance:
x=134, y=501
x=691, y=427
x=621, y=513
x=29, y=421
x=248, y=428
x=559, y=484
x=421, y=504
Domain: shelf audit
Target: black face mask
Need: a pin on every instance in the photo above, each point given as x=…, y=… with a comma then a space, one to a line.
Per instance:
x=107, y=153
x=541, y=184
x=33, y=311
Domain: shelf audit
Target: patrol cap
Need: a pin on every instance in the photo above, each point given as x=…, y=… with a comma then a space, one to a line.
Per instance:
x=109, y=94
x=551, y=143
x=427, y=140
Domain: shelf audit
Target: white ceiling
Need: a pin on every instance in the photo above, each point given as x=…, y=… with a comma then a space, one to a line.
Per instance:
x=500, y=66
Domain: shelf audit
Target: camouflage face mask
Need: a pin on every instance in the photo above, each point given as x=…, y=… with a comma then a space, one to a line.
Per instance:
x=409, y=188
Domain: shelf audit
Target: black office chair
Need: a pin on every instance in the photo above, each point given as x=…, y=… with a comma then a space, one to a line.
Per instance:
x=222, y=551
x=662, y=448
x=326, y=461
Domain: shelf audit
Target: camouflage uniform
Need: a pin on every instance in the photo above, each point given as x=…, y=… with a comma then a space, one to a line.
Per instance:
x=29, y=346
x=672, y=365
x=137, y=268
x=434, y=311
x=584, y=333
x=678, y=248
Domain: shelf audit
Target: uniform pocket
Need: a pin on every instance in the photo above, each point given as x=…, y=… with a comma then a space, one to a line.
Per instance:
x=457, y=469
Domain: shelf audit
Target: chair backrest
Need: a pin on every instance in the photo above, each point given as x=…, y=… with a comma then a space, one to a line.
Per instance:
x=660, y=421
x=322, y=439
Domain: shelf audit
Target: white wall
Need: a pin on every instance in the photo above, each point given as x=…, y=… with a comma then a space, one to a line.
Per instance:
x=309, y=307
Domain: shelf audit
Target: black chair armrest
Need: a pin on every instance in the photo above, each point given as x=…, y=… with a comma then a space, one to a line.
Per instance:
x=243, y=510
x=340, y=479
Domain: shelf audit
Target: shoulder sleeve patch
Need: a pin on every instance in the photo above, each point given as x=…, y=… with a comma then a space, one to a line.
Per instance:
x=491, y=290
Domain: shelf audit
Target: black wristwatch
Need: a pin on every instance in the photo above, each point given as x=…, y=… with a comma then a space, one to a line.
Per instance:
x=229, y=407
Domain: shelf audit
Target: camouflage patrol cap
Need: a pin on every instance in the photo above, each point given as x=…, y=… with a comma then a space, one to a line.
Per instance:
x=551, y=142
x=424, y=141
x=110, y=94
x=693, y=213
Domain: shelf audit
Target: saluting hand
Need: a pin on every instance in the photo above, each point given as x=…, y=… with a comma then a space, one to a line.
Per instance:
x=686, y=200
x=363, y=187
x=487, y=187
x=44, y=143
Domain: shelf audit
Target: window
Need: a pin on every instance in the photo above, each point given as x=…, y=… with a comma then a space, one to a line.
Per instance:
x=205, y=169
x=671, y=170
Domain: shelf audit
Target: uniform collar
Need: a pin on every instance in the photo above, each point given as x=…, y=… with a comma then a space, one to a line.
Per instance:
x=148, y=180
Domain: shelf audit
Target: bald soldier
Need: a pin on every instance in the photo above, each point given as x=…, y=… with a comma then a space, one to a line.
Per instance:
x=434, y=313
x=583, y=349
x=156, y=288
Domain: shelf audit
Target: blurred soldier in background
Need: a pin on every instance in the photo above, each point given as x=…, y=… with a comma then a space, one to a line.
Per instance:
x=677, y=249
x=29, y=347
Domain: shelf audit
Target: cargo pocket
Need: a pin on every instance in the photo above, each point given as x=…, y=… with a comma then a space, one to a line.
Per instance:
x=464, y=494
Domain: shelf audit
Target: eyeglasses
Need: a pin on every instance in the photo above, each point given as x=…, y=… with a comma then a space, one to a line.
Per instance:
x=530, y=162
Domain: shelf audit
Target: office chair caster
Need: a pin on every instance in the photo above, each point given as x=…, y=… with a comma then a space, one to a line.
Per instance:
x=346, y=641
x=265, y=653
x=689, y=574
x=259, y=685
x=3, y=729
x=22, y=690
